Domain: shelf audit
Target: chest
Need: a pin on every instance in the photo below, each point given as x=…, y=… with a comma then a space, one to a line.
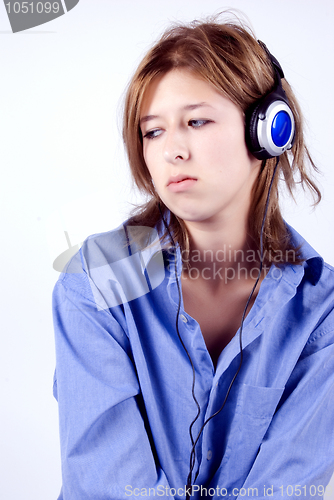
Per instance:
x=217, y=311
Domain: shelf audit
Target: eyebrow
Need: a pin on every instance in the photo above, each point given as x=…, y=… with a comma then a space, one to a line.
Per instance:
x=188, y=107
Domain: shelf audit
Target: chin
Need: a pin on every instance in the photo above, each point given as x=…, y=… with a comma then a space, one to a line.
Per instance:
x=190, y=212
x=192, y=215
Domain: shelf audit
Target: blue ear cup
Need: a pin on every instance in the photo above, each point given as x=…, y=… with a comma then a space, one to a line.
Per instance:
x=270, y=125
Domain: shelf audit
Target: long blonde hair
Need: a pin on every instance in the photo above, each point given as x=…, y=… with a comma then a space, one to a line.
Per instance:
x=228, y=56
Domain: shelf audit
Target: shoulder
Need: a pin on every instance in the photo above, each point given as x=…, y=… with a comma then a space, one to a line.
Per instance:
x=116, y=266
x=315, y=290
x=315, y=269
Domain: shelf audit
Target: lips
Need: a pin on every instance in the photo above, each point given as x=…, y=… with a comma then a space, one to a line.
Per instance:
x=180, y=183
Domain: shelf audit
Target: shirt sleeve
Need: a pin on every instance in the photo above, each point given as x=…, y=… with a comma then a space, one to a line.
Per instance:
x=296, y=457
x=105, y=447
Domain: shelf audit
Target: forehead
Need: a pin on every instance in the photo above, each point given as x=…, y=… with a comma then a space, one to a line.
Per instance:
x=178, y=88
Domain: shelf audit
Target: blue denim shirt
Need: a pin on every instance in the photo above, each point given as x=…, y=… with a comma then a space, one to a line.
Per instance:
x=123, y=381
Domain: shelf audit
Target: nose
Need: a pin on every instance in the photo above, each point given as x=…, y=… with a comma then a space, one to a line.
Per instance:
x=175, y=148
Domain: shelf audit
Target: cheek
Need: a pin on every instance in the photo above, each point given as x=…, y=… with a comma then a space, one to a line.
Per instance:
x=148, y=160
x=151, y=153
x=145, y=155
x=155, y=171
x=222, y=154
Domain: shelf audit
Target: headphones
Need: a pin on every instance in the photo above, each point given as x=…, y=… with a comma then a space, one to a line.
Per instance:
x=270, y=125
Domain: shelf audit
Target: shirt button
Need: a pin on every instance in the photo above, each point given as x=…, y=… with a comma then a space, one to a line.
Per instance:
x=183, y=318
x=209, y=455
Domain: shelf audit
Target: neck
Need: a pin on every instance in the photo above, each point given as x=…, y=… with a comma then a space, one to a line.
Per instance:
x=215, y=235
x=217, y=250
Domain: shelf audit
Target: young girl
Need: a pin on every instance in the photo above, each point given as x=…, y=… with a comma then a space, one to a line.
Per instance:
x=195, y=342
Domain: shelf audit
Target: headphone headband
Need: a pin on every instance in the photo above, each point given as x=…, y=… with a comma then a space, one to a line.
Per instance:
x=276, y=65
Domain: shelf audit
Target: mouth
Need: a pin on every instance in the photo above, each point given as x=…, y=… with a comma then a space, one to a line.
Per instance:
x=180, y=183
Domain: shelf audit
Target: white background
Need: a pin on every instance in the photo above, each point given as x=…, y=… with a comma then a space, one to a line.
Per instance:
x=63, y=168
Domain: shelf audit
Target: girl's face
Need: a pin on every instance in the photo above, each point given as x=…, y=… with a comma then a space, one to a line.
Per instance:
x=194, y=148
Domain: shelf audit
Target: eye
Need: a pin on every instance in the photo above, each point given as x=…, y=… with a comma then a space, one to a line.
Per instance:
x=198, y=123
x=152, y=134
